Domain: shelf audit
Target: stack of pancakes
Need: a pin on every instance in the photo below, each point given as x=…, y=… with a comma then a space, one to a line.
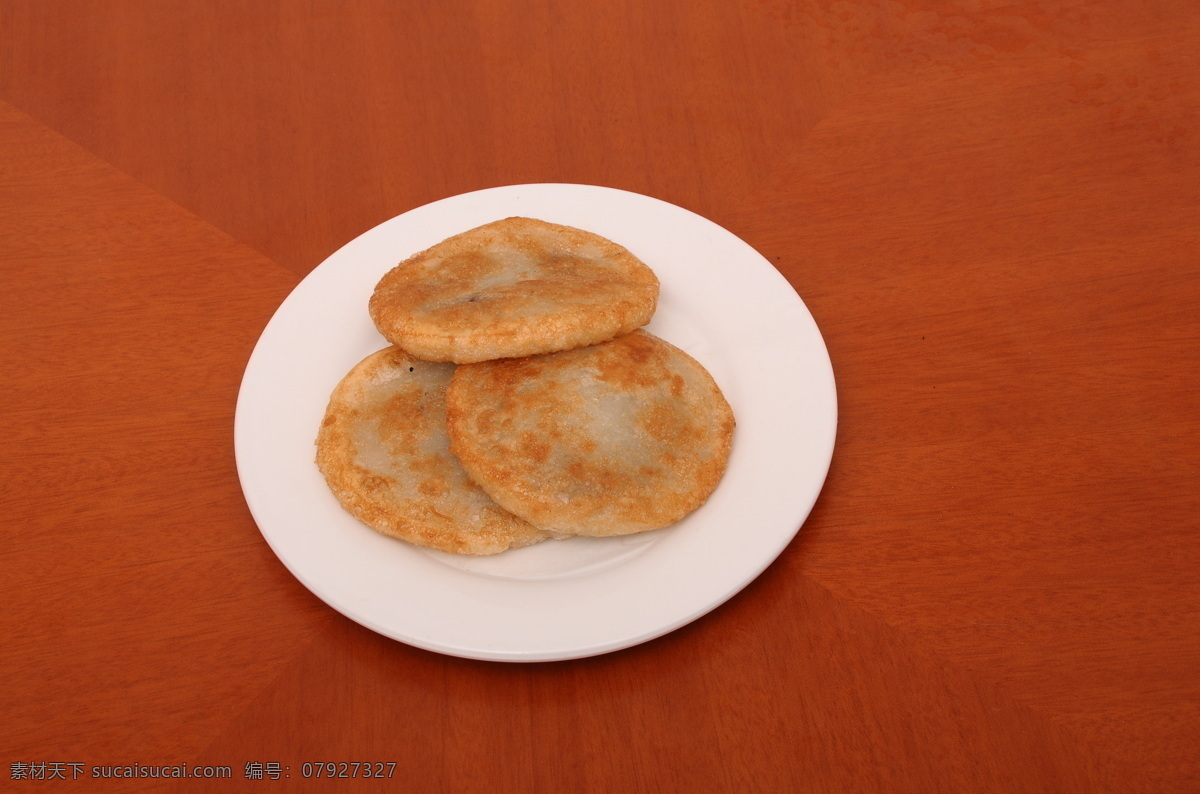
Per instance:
x=520, y=399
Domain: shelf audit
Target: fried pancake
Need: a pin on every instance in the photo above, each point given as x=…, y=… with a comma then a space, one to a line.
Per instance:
x=612, y=439
x=515, y=287
x=384, y=452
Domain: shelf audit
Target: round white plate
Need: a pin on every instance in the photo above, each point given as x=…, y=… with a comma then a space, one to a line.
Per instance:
x=720, y=301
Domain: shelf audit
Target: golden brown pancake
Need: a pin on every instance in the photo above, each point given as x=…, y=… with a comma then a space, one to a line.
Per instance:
x=515, y=287
x=384, y=452
x=616, y=438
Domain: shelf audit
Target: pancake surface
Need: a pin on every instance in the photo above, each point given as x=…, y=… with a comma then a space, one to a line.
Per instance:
x=515, y=287
x=612, y=439
x=384, y=452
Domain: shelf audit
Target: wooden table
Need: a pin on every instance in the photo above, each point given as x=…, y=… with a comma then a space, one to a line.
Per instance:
x=991, y=208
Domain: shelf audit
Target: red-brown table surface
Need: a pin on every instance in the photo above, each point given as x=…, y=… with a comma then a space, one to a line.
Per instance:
x=989, y=206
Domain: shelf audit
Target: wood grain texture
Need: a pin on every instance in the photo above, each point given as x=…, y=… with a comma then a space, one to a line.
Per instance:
x=992, y=208
x=127, y=553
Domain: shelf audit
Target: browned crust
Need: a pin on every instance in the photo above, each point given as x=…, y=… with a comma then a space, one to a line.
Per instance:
x=612, y=439
x=514, y=287
x=383, y=450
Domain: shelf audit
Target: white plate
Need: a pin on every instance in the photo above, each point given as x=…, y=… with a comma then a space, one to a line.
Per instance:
x=720, y=301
